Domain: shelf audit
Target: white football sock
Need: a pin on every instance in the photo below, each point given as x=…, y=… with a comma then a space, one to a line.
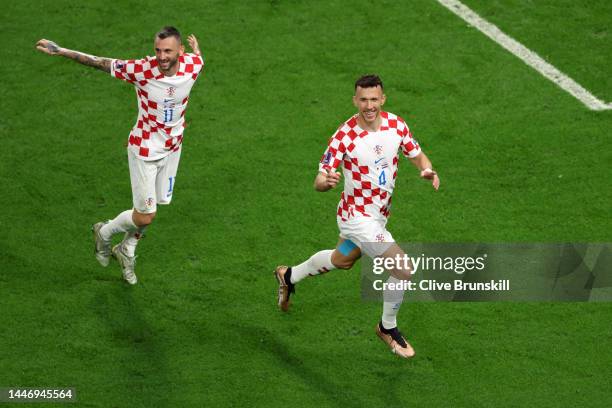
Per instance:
x=122, y=223
x=315, y=265
x=131, y=240
x=393, y=302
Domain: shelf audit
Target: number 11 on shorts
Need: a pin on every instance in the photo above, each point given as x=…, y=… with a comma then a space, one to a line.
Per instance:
x=168, y=114
x=170, y=186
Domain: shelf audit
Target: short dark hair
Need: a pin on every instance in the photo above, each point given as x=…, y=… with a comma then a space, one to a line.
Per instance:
x=169, y=31
x=369, y=81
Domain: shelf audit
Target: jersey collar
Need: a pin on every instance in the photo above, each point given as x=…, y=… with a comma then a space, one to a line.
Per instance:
x=384, y=124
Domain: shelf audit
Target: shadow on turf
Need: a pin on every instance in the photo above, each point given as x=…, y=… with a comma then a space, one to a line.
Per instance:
x=262, y=339
x=142, y=366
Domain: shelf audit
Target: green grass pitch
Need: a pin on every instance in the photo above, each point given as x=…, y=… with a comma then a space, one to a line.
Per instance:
x=519, y=159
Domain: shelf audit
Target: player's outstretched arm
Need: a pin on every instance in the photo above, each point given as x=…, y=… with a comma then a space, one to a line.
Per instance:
x=193, y=43
x=326, y=181
x=423, y=163
x=51, y=48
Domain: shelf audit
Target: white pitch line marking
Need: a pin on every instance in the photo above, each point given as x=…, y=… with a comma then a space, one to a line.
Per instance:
x=529, y=57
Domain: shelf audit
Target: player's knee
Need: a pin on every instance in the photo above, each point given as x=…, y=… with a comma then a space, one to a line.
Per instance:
x=342, y=263
x=142, y=220
x=149, y=218
x=403, y=274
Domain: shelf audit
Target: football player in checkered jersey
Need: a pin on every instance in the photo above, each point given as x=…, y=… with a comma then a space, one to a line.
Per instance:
x=162, y=84
x=367, y=147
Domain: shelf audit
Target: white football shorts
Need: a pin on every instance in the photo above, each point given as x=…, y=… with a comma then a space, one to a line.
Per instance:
x=152, y=181
x=369, y=234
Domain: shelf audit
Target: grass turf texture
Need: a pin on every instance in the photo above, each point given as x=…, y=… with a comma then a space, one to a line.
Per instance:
x=520, y=160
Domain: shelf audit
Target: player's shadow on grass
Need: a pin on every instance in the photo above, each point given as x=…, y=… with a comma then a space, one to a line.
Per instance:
x=140, y=361
x=262, y=339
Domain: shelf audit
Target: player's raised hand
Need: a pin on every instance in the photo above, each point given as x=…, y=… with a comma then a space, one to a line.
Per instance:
x=429, y=174
x=193, y=43
x=332, y=178
x=48, y=47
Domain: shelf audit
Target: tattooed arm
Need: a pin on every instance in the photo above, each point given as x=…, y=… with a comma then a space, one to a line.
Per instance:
x=51, y=48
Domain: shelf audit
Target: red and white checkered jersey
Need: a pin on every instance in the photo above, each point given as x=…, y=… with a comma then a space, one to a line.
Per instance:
x=369, y=161
x=162, y=101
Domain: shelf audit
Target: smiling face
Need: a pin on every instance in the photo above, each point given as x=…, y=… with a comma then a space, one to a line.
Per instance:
x=167, y=52
x=368, y=102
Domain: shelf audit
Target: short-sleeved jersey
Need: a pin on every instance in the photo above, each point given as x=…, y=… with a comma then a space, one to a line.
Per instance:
x=369, y=161
x=162, y=101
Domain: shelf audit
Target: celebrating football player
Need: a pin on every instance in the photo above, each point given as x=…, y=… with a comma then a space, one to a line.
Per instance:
x=367, y=147
x=162, y=85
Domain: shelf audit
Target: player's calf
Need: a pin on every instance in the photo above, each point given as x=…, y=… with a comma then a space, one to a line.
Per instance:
x=393, y=297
